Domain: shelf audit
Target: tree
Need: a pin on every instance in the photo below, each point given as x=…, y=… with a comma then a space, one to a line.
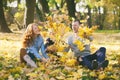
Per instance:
x=59, y=4
x=117, y=3
x=56, y=4
x=29, y=12
x=71, y=8
x=89, y=14
x=44, y=5
x=40, y=13
x=3, y=24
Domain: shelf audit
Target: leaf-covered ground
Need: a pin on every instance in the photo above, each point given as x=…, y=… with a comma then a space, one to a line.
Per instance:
x=12, y=69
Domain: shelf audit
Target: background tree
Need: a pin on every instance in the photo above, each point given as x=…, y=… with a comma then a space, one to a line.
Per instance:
x=117, y=8
x=40, y=13
x=18, y=2
x=89, y=21
x=71, y=8
x=59, y=4
x=29, y=12
x=3, y=24
x=44, y=4
x=104, y=13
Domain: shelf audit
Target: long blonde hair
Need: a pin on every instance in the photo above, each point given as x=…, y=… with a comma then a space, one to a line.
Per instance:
x=28, y=36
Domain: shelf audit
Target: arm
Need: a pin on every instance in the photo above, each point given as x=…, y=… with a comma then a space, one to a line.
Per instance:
x=43, y=50
x=67, y=49
x=33, y=50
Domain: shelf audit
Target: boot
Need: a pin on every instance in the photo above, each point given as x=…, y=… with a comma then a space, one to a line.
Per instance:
x=29, y=61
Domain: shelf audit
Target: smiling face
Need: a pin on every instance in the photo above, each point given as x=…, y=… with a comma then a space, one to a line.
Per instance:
x=75, y=26
x=36, y=30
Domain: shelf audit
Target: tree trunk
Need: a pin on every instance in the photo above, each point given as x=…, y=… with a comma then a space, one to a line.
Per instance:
x=89, y=19
x=99, y=19
x=3, y=24
x=57, y=7
x=62, y=3
x=44, y=5
x=71, y=8
x=103, y=18
x=119, y=19
x=95, y=16
x=18, y=2
x=40, y=14
x=29, y=12
x=114, y=22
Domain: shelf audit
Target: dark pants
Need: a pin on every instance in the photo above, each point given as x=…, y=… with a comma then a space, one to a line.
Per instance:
x=99, y=56
x=32, y=56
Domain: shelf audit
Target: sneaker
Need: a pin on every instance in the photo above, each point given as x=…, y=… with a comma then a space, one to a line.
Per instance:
x=79, y=60
x=94, y=64
x=29, y=61
x=105, y=64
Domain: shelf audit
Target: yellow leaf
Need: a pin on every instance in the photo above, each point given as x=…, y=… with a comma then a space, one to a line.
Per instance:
x=101, y=76
x=44, y=33
x=76, y=75
x=40, y=27
x=32, y=74
x=60, y=77
x=55, y=72
x=79, y=44
x=93, y=74
x=63, y=59
x=42, y=67
x=11, y=77
x=71, y=62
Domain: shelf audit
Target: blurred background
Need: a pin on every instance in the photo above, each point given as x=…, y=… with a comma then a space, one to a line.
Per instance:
x=17, y=14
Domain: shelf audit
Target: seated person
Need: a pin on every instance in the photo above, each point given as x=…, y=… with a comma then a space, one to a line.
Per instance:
x=92, y=61
x=32, y=43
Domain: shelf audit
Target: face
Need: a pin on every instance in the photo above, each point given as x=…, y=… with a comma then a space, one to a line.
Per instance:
x=36, y=30
x=75, y=26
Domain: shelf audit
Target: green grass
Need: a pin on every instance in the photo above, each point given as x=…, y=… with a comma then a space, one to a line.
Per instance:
x=107, y=31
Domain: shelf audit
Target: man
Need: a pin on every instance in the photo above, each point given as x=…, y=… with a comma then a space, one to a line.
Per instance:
x=92, y=61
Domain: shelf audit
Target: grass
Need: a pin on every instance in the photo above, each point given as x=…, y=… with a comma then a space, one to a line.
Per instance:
x=107, y=31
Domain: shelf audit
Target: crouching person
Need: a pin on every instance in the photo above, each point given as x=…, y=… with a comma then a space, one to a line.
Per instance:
x=32, y=44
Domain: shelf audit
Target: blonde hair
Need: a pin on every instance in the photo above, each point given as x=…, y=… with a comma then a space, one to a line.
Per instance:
x=28, y=36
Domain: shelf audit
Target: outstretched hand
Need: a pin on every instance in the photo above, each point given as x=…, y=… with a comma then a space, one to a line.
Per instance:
x=45, y=60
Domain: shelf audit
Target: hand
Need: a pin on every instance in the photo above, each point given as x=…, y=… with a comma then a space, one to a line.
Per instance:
x=90, y=38
x=44, y=60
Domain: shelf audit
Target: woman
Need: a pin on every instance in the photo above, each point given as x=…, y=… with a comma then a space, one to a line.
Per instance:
x=32, y=43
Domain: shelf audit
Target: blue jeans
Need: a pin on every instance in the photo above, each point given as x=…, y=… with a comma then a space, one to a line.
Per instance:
x=99, y=56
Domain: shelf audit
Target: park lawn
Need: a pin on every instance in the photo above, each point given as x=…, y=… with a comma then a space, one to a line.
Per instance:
x=11, y=68
x=107, y=31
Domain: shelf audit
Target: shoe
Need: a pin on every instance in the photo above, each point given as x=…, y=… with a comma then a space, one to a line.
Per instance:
x=29, y=61
x=95, y=65
x=105, y=64
x=79, y=60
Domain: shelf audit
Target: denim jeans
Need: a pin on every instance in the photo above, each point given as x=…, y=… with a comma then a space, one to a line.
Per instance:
x=99, y=56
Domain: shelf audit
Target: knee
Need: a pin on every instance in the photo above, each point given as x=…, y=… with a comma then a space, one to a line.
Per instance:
x=22, y=54
x=102, y=49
